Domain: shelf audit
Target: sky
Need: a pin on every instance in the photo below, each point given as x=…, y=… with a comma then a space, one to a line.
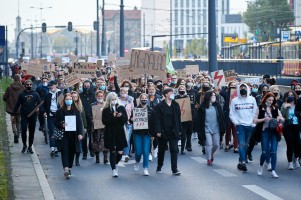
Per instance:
x=79, y=12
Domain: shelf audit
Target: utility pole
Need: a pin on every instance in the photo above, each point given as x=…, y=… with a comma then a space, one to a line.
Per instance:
x=31, y=51
x=103, y=35
x=76, y=44
x=91, y=43
x=6, y=54
x=121, y=29
x=144, y=29
x=212, y=36
x=170, y=42
x=97, y=30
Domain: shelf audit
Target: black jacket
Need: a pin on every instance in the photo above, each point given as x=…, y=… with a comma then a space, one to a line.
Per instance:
x=87, y=100
x=47, y=102
x=151, y=122
x=28, y=100
x=161, y=118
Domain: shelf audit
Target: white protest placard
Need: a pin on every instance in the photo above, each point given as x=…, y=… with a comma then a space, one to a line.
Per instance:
x=148, y=62
x=140, y=118
x=185, y=107
x=70, y=123
x=84, y=69
x=65, y=60
x=218, y=78
x=230, y=75
x=97, y=117
x=71, y=79
x=192, y=69
x=92, y=60
x=252, y=80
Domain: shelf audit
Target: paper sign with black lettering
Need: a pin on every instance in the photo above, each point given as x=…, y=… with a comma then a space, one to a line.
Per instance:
x=140, y=118
x=84, y=69
x=218, y=78
x=71, y=79
x=185, y=108
x=97, y=117
x=230, y=75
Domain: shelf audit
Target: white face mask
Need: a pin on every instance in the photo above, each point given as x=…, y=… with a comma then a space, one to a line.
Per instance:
x=189, y=84
x=99, y=100
x=213, y=99
x=114, y=102
x=45, y=84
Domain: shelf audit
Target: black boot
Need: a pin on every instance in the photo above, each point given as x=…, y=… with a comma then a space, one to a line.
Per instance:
x=105, y=157
x=16, y=139
x=77, y=159
x=97, y=157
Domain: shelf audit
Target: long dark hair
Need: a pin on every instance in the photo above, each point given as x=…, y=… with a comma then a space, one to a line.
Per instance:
x=207, y=98
x=73, y=106
x=265, y=97
x=285, y=96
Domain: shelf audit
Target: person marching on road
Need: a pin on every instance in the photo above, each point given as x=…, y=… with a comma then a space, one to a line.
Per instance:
x=242, y=112
x=28, y=100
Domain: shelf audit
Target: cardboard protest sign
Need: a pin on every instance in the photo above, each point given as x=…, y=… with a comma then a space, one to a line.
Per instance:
x=148, y=62
x=57, y=61
x=97, y=117
x=192, y=69
x=122, y=62
x=252, y=80
x=124, y=72
x=24, y=66
x=218, y=78
x=185, y=107
x=140, y=118
x=181, y=73
x=233, y=94
x=84, y=69
x=99, y=63
x=230, y=75
x=35, y=69
x=71, y=79
x=60, y=99
x=111, y=59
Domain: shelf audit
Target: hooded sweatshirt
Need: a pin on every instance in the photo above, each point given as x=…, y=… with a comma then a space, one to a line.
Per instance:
x=243, y=109
x=11, y=95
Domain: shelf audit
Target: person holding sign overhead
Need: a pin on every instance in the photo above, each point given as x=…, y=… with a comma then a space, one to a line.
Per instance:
x=168, y=128
x=68, y=118
x=114, y=118
x=143, y=124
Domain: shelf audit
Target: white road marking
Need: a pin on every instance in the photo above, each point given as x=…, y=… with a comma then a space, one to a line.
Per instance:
x=224, y=172
x=261, y=192
x=199, y=159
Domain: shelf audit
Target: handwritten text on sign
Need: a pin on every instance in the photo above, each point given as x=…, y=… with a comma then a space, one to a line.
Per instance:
x=71, y=79
x=87, y=69
x=185, y=107
x=148, y=62
x=97, y=117
x=140, y=118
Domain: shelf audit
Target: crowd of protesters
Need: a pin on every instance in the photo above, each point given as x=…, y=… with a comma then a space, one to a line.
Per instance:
x=235, y=116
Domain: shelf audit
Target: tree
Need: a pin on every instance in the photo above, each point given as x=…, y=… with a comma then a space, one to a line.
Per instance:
x=264, y=17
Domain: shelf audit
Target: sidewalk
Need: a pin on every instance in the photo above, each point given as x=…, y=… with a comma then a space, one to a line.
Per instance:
x=29, y=181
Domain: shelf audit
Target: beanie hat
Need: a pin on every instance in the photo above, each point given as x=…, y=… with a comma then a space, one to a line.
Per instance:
x=17, y=77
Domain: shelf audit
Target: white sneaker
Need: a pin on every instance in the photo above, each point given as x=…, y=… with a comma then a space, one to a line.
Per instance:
x=127, y=158
x=274, y=175
x=290, y=166
x=195, y=135
x=296, y=162
x=150, y=157
x=269, y=166
x=123, y=158
x=179, y=143
x=145, y=172
x=155, y=152
x=114, y=173
x=136, y=166
x=260, y=170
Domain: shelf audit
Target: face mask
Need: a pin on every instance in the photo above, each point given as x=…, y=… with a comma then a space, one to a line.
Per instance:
x=298, y=92
x=28, y=88
x=151, y=93
x=68, y=102
x=268, y=104
x=263, y=93
x=174, y=82
x=181, y=92
x=190, y=84
x=124, y=95
x=144, y=101
x=85, y=90
x=93, y=84
x=275, y=94
x=243, y=92
x=172, y=96
x=160, y=87
x=114, y=102
x=290, y=99
x=102, y=87
x=53, y=90
x=45, y=84
x=206, y=88
x=80, y=90
x=127, y=88
x=255, y=90
x=213, y=99
x=99, y=100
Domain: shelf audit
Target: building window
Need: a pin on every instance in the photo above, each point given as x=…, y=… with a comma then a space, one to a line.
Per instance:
x=187, y=3
x=192, y=3
x=199, y=16
x=176, y=17
x=193, y=32
x=193, y=17
x=182, y=3
x=204, y=17
x=176, y=32
x=182, y=17
x=176, y=3
x=182, y=32
x=199, y=3
x=204, y=3
x=199, y=30
x=187, y=17
x=187, y=31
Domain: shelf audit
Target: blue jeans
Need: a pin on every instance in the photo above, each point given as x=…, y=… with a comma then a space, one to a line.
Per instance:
x=269, y=146
x=129, y=130
x=243, y=136
x=50, y=122
x=142, y=146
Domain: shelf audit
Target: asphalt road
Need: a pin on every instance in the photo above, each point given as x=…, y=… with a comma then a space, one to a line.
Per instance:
x=198, y=181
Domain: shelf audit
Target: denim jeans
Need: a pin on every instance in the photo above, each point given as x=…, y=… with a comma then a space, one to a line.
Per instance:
x=243, y=136
x=142, y=146
x=269, y=145
x=50, y=122
x=129, y=130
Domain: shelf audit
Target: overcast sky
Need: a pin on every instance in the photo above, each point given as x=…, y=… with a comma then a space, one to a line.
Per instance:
x=80, y=12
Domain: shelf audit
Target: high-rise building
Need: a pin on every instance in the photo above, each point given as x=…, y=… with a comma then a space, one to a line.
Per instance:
x=295, y=6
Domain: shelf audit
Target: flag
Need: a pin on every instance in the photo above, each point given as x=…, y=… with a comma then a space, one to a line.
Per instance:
x=169, y=67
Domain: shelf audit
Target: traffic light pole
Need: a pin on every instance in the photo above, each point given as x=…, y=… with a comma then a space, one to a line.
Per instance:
x=97, y=30
x=17, y=42
x=212, y=36
x=121, y=53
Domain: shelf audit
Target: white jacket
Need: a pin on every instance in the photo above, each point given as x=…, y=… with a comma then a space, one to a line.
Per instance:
x=243, y=109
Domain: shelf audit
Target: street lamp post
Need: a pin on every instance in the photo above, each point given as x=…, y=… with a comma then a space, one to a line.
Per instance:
x=97, y=29
x=121, y=53
x=41, y=9
x=103, y=39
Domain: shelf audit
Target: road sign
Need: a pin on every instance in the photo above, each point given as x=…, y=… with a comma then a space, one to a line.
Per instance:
x=297, y=33
x=285, y=35
x=2, y=35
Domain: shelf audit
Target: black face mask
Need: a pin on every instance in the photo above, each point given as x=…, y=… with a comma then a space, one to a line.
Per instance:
x=206, y=88
x=263, y=93
x=160, y=87
x=181, y=92
x=144, y=101
x=243, y=92
x=298, y=92
x=28, y=88
x=85, y=90
x=275, y=94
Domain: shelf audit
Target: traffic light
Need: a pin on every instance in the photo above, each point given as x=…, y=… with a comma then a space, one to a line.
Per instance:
x=95, y=25
x=44, y=27
x=69, y=26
